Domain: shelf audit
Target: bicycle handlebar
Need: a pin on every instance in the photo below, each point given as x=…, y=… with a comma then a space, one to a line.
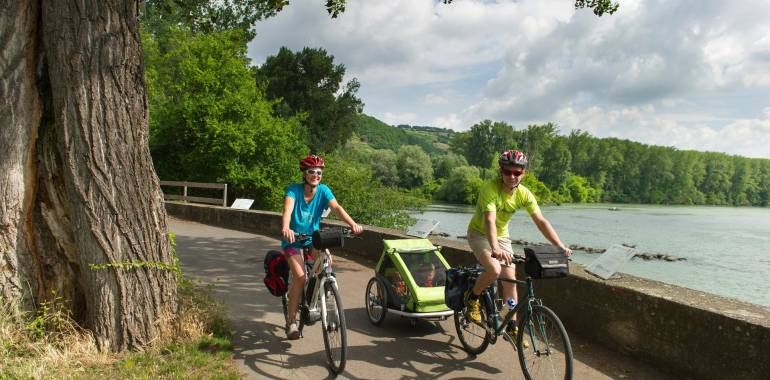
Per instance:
x=346, y=233
x=515, y=258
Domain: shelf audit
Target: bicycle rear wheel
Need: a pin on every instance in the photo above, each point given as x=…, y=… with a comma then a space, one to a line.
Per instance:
x=549, y=355
x=473, y=336
x=334, y=329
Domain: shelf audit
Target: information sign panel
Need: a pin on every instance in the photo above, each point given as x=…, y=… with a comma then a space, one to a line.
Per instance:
x=242, y=203
x=422, y=228
x=611, y=261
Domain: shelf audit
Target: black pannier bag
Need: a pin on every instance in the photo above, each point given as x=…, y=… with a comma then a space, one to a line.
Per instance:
x=454, y=290
x=545, y=261
x=331, y=238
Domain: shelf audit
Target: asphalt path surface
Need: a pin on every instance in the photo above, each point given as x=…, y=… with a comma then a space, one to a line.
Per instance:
x=231, y=261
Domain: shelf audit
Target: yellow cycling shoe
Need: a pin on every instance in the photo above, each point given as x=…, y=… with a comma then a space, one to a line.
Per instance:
x=473, y=309
x=511, y=332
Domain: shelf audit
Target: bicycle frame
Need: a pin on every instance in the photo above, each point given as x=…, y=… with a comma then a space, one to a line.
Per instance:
x=323, y=275
x=499, y=326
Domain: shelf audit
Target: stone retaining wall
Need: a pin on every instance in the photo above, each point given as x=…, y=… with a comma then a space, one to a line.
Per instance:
x=686, y=332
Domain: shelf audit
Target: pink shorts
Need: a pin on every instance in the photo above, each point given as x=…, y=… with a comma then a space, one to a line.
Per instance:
x=291, y=251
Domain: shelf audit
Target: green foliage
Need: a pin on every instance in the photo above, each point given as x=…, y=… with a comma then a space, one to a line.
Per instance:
x=383, y=163
x=583, y=168
x=484, y=142
x=365, y=198
x=207, y=358
x=414, y=166
x=210, y=123
x=443, y=165
x=600, y=7
x=211, y=16
x=540, y=190
x=576, y=189
x=383, y=136
x=555, y=164
x=52, y=319
x=306, y=84
x=535, y=141
x=462, y=186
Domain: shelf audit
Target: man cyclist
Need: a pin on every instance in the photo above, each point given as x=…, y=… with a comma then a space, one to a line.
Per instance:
x=498, y=200
x=303, y=206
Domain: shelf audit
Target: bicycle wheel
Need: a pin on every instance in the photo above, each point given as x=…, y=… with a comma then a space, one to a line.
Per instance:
x=473, y=336
x=334, y=329
x=549, y=355
x=285, y=304
x=376, y=301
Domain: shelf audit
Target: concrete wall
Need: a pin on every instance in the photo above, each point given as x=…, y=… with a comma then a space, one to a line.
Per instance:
x=687, y=332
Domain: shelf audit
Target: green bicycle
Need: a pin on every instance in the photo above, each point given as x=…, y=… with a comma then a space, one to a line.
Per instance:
x=542, y=342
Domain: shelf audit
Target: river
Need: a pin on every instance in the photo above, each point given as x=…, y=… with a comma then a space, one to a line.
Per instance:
x=727, y=249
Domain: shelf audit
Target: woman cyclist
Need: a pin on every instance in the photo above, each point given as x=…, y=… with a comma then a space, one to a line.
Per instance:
x=303, y=206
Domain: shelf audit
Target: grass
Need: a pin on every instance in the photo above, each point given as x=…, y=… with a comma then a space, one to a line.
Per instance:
x=49, y=345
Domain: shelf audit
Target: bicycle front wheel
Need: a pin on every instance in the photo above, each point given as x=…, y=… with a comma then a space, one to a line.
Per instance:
x=334, y=329
x=473, y=336
x=549, y=354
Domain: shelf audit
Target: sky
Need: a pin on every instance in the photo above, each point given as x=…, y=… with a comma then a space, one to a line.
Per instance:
x=692, y=74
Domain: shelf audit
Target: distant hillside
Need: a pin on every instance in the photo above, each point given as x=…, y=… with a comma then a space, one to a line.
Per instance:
x=383, y=136
x=442, y=134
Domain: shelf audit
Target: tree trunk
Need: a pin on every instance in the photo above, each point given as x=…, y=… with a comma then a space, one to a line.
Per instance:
x=77, y=184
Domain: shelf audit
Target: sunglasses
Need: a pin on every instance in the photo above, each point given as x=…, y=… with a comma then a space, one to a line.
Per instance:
x=515, y=173
x=317, y=172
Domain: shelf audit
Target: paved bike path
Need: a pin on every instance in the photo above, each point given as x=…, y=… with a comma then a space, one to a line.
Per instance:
x=232, y=262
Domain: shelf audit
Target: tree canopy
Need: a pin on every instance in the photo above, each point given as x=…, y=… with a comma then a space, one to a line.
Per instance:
x=306, y=84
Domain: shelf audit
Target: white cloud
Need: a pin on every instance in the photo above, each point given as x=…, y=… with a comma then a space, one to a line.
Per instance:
x=451, y=121
x=696, y=73
x=409, y=42
x=435, y=99
x=746, y=137
x=641, y=55
x=399, y=118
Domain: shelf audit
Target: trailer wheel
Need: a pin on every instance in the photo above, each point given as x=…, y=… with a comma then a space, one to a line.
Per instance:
x=376, y=301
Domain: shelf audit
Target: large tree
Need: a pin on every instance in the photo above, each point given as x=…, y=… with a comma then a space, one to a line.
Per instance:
x=82, y=211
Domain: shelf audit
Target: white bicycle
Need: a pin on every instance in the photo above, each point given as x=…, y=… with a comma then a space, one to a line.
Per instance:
x=321, y=298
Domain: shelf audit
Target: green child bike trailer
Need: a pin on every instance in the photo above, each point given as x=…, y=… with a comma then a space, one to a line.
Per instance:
x=545, y=261
x=408, y=281
x=276, y=273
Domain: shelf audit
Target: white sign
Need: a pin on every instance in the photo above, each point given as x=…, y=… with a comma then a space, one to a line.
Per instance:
x=611, y=261
x=422, y=228
x=242, y=203
x=326, y=213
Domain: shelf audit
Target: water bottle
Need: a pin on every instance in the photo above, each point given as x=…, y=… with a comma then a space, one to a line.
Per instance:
x=511, y=303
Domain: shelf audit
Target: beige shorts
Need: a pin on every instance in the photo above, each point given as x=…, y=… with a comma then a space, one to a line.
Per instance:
x=479, y=244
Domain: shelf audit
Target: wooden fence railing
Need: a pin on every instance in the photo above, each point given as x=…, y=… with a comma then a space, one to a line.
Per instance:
x=186, y=198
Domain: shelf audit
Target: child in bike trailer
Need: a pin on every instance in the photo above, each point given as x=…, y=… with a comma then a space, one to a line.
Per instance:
x=498, y=200
x=303, y=206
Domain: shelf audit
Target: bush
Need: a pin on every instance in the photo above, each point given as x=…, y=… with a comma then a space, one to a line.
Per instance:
x=365, y=198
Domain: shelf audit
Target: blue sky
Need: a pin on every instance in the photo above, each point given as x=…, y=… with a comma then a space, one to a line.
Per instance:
x=689, y=74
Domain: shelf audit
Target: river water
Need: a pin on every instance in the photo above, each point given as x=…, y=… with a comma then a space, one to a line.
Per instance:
x=727, y=249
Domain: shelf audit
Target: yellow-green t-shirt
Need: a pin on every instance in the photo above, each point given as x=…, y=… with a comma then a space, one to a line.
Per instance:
x=493, y=198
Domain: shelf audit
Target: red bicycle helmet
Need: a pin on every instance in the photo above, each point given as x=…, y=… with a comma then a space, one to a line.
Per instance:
x=513, y=157
x=311, y=161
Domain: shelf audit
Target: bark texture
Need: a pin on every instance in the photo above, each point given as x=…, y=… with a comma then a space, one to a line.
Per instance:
x=78, y=187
